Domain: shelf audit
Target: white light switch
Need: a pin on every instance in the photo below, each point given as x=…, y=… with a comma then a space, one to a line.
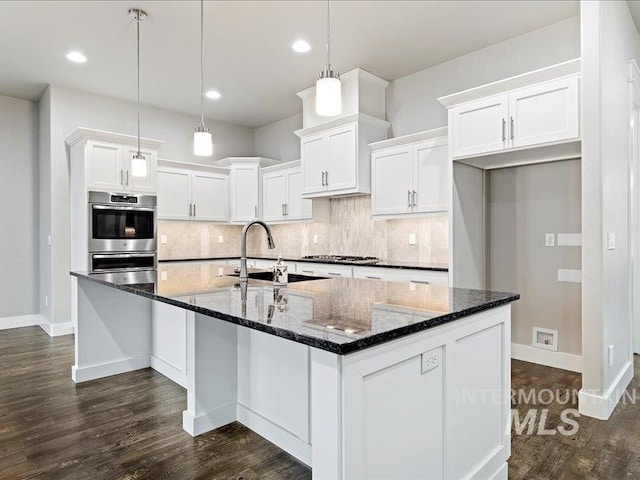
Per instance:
x=550, y=240
x=220, y=239
x=315, y=239
x=163, y=239
x=49, y=240
x=611, y=240
x=412, y=239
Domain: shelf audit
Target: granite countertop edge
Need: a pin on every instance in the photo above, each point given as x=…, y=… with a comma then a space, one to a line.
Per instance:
x=381, y=264
x=322, y=344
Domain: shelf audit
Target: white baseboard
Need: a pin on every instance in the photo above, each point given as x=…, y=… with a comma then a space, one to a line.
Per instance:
x=57, y=329
x=21, y=321
x=502, y=473
x=565, y=361
x=601, y=406
x=275, y=434
x=197, y=425
x=169, y=371
x=84, y=374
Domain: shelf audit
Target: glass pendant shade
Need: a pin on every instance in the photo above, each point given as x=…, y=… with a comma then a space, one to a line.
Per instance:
x=202, y=143
x=328, y=97
x=138, y=166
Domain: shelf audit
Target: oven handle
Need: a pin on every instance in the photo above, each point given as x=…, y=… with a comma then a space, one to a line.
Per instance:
x=124, y=255
x=109, y=207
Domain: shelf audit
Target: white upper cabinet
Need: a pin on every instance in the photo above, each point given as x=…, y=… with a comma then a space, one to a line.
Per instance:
x=335, y=155
x=480, y=127
x=544, y=113
x=192, y=192
x=104, y=161
x=245, y=188
x=282, y=194
x=411, y=174
x=538, y=109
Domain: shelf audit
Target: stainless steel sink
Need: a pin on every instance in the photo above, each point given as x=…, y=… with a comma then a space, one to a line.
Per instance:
x=268, y=276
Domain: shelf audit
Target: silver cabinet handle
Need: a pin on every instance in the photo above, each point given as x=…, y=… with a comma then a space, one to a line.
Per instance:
x=121, y=177
x=126, y=176
x=415, y=198
x=194, y=209
x=326, y=178
x=282, y=209
x=371, y=278
x=423, y=282
x=307, y=271
x=504, y=129
x=190, y=209
x=255, y=211
x=335, y=274
x=286, y=209
x=409, y=198
x=511, y=128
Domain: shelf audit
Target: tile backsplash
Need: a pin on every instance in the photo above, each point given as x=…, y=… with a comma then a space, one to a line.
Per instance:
x=350, y=231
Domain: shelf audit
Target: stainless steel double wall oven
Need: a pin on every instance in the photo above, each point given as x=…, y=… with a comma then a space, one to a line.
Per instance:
x=122, y=232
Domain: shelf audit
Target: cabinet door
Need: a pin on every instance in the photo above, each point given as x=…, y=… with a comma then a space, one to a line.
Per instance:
x=479, y=127
x=140, y=177
x=342, y=158
x=174, y=195
x=298, y=208
x=273, y=196
x=431, y=177
x=105, y=166
x=244, y=193
x=392, y=181
x=314, y=154
x=545, y=113
x=210, y=197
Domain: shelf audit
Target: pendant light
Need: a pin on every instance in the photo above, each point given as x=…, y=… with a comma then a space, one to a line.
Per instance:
x=328, y=86
x=202, y=143
x=138, y=162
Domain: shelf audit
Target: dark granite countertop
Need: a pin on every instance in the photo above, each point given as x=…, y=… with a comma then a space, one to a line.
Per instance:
x=340, y=315
x=436, y=267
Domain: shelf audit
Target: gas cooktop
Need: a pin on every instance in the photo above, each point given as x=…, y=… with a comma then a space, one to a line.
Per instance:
x=342, y=259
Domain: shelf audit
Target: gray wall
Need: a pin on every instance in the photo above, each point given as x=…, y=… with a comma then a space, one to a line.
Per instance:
x=412, y=104
x=278, y=141
x=70, y=109
x=19, y=200
x=525, y=203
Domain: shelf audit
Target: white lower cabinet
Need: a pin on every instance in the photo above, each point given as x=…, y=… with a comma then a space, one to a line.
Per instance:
x=430, y=277
x=324, y=269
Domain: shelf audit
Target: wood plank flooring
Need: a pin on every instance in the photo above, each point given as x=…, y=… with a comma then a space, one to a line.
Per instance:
x=128, y=427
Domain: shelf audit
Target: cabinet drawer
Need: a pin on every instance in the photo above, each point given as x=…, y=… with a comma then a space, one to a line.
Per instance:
x=323, y=269
x=402, y=275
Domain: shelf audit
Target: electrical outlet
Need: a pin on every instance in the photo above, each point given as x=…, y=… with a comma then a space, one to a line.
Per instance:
x=550, y=240
x=412, y=239
x=163, y=239
x=315, y=239
x=163, y=275
x=220, y=239
x=611, y=240
x=430, y=360
x=610, y=356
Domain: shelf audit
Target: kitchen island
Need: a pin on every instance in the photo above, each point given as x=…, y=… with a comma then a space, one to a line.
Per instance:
x=357, y=378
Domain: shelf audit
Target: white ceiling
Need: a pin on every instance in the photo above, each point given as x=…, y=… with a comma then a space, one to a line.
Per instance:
x=248, y=54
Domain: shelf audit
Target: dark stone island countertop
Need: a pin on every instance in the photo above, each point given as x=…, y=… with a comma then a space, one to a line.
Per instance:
x=340, y=315
x=436, y=267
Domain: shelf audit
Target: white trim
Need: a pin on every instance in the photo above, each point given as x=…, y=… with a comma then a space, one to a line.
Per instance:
x=84, y=374
x=219, y=417
x=563, y=360
x=409, y=139
x=564, y=69
x=169, y=371
x=167, y=163
x=277, y=435
x=83, y=133
x=57, y=329
x=602, y=406
x=21, y=321
x=502, y=473
x=361, y=118
x=228, y=162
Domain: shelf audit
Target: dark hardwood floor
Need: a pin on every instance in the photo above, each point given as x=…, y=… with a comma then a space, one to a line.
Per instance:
x=129, y=427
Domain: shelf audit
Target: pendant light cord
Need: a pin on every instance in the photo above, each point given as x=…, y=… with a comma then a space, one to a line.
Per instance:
x=138, y=41
x=328, y=67
x=202, y=63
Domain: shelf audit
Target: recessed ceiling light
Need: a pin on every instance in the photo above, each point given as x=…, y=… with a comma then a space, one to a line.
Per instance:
x=76, y=57
x=213, y=94
x=301, y=46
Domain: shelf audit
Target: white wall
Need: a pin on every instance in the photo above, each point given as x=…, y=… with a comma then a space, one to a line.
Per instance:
x=277, y=139
x=412, y=104
x=70, y=109
x=19, y=214
x=609, y=41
